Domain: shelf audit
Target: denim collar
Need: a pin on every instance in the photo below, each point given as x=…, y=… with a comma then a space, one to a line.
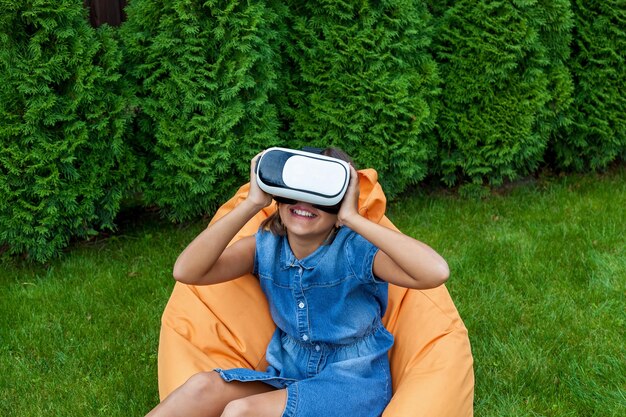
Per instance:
x=289, y=260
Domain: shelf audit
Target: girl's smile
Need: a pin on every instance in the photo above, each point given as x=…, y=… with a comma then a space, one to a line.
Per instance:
x=305, y=214
x=307, y=227
x=302, y=212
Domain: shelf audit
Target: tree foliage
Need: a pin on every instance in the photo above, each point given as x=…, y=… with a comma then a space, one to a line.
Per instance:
x=503, y=81
x=361, y=78
x=206, y=72
x=65, y=163
x=597, y=135
x=169, y=108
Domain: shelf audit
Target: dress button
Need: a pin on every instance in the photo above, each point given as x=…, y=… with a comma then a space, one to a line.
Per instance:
x=305, y=338
x=301, y=305
x=318, y=348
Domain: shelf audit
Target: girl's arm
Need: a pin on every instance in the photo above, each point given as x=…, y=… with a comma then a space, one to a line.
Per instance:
x=401, y=260
x=207, y=259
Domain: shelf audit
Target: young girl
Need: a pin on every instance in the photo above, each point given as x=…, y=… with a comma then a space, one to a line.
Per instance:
x=324, y=271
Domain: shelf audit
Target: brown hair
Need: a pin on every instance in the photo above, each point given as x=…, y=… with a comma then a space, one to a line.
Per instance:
x=273, y=223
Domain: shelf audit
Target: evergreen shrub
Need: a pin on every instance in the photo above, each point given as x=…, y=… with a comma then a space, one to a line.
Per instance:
x=597, y=135
x=206, y=71
x=65, y=112
x=172, y=106
x=359, y=76
x=556, y=20
x=501, y=95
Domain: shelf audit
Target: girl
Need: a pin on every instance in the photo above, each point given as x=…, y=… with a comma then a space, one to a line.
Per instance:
x=325, y=272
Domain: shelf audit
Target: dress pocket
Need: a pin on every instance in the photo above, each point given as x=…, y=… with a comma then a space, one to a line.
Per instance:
x=277, y=280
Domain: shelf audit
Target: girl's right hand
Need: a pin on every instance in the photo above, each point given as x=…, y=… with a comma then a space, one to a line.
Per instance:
x=256, y=195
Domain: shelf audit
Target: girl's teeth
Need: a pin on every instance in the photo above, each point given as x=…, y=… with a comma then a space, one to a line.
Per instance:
x=303, y=213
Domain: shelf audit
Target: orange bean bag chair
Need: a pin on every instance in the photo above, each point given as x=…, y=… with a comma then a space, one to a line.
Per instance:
x=228, y=325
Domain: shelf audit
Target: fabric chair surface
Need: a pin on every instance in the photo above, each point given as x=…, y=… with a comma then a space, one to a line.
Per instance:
x=228, y=325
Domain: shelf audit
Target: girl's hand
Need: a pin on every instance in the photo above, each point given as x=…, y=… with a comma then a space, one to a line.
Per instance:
x=257, y=196
x=350, y=206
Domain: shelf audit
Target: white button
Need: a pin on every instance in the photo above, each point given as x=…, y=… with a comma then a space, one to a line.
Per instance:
x=317, y=348
x=301, y=305
x=305, y=338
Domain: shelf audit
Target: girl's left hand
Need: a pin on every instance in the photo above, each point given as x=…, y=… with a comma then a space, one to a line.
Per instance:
x=256, y=195
x=350, y=206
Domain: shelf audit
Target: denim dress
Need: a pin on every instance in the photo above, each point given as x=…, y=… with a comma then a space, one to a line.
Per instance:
x=330, y=348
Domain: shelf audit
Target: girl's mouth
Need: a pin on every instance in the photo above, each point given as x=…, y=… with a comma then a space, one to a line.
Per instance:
x=300, y=212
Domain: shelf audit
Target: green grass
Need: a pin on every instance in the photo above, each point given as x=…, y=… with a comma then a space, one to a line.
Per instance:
x=538, y=275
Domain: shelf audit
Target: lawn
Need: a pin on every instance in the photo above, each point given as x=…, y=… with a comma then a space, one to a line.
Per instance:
x=538, y=275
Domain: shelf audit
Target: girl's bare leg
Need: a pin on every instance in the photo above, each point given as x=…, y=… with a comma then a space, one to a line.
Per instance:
x=268, y=404
x=206, y=395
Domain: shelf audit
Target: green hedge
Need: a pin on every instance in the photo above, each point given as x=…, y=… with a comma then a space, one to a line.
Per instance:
x=597, y=134
x=504, y=85
x=206, y=72
x=65, y=113
x=171, y=106
x=360, y=77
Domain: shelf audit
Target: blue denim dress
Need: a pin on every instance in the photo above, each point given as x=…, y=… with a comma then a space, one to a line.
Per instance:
x=330, y=348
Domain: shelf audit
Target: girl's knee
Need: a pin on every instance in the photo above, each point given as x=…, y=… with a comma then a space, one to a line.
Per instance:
x=265, y=404
x=204, y=383
x=238, y=408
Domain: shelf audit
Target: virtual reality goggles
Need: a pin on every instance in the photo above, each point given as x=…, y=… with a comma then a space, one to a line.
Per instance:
x=290, y=175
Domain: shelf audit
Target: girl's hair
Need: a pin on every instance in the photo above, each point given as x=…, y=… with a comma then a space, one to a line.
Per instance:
x=274, y=223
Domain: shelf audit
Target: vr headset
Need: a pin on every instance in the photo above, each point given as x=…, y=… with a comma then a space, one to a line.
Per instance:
x=290, y=175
